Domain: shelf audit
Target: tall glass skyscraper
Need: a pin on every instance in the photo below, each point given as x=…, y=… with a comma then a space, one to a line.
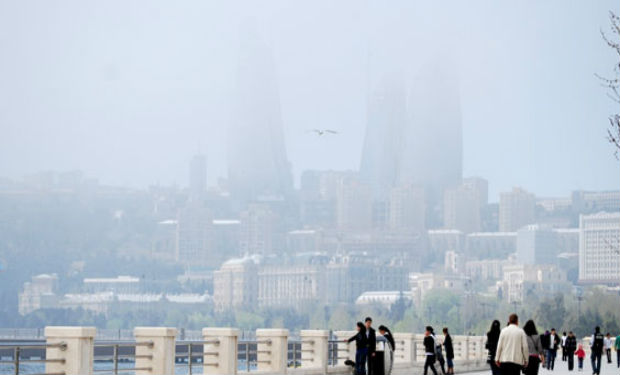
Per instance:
x=257, y=161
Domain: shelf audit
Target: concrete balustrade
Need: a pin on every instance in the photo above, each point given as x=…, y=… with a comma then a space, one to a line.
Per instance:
x=314, y=349
x=220, y=350
x=70, y=350
x=404, y=355
x=345, y=350
x=272, y=350
x=155, y=350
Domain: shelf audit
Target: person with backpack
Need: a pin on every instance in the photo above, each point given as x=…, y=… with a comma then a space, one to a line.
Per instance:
x=598, y=343
x=570, y=345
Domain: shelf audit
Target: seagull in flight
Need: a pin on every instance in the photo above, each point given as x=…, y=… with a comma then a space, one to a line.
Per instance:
x=321, y=132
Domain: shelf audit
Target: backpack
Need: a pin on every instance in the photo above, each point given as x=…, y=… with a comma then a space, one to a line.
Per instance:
x=597, y=345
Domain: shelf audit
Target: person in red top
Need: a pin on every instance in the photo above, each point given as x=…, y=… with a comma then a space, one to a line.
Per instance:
x=581, y=354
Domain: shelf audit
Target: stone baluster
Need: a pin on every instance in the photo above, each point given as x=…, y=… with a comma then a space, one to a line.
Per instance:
x=314, y=349
x=272, y=350
x=155, y=350
x=220, y=350
x=70, y=350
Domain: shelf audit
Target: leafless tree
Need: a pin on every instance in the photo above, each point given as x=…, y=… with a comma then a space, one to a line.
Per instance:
x=613, y=83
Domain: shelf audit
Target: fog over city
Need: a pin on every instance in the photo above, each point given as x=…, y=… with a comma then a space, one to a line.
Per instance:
x=128, y=92
x=303, y=165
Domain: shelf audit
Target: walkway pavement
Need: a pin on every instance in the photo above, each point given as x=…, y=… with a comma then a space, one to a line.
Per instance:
x=561, y=368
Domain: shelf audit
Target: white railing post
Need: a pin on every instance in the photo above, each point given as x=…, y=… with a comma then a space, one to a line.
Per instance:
x=155, y=350
x=272, y=350
x=71, y=351
x=220, y=350
x=314, y=349
x=345, y=351
x=404, y=353
x=467, y=347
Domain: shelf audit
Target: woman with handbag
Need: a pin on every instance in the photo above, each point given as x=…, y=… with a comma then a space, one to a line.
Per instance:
x=535, y=349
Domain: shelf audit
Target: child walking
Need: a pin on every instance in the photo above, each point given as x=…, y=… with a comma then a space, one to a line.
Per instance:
x=581, y=354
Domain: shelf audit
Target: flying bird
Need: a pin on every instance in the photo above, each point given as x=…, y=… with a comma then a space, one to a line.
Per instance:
x=321, y=132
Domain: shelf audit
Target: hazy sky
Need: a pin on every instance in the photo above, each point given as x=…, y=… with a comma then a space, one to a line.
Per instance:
x=128, y=90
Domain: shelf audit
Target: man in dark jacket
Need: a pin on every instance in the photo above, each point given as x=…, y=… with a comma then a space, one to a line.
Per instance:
x=570, y=346
x=371, y=344
x=552, y=351
x=597, y=345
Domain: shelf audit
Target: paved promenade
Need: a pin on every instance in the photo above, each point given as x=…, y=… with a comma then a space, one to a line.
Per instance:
x=561, y=368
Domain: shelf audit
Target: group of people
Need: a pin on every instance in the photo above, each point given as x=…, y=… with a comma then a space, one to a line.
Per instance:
x=366, y=355
x=434, y=353
x=512, y=349
x=370, y=361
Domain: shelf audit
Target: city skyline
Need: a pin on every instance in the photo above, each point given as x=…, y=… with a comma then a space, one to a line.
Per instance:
x=520, y=113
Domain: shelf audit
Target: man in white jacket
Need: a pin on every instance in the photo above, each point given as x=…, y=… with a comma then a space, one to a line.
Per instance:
x=512, y=351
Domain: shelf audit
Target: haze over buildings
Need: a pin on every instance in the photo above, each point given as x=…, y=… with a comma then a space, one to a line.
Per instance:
x=293, y=164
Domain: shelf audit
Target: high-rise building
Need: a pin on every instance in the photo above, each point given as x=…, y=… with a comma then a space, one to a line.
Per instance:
x=198, y=174
x=257, y=161
x=194, y=238
x=595, y=201
x=537, y=245
x=433, y=149
x=490, y=245
x=407, y=209
x=517, y=209
x=258, y=226
x=599, y=248
x=480, y=186
x=461, y=207
x=354, y=204
x=383, y=142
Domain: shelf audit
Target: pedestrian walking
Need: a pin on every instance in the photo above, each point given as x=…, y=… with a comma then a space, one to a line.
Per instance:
x=429, y=349
x=607, y=344
x=596, y=348
x=570, y=346
x=449, y=348
x=361, y=348
x=617, y=347
x=554, y=342
x=491, y=346
x=581, y=354
x=535, y=349
x=512, y=350
x=545, y=340
x=439, y=353
x=563, y=344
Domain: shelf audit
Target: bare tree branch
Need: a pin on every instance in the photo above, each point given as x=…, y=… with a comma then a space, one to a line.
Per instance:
x=613, y=84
